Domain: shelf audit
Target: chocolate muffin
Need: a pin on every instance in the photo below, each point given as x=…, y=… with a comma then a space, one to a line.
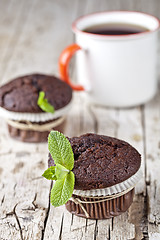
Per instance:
x=18, y=104
x=106, y=170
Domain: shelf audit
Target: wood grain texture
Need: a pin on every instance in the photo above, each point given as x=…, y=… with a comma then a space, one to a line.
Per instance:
x=152, y=129
x=32, y=35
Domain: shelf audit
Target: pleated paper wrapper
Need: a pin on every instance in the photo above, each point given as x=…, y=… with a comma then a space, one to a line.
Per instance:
x=120, y=187
x=35, y=117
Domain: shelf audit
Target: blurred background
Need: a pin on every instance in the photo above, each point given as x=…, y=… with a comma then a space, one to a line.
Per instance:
x=34, y=32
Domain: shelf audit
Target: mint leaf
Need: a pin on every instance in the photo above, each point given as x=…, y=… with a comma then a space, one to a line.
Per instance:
x=61, y=171
x=60, y=149
x=62, y=190
x=44, y=104
x=50, y=173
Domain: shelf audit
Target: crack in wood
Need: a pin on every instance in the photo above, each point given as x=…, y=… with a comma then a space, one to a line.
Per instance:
x=155, y=189
x=47, y=214
x=155, y=219
x=18, y=222
x=13, y=213
x=14, y=193
x=2, y=201
x=96, y=230
x=52, y=229
x=112, y=224
x=145, y=209
x=15, y=186
x=145, y=223
x=86, y=225
x=72, y=220
x=148, y=182
x=61, y=228
x=82, y=227
x=144, y=137
x=34, y=201
x=35, y=206
x=27, y=219
x=137, y=216
x=109, y=232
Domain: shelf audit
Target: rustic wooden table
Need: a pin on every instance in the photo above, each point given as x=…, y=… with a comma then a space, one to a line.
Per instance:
x=32, y=35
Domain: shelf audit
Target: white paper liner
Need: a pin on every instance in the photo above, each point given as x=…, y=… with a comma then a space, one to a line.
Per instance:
x=120, y=187
x=35, y=117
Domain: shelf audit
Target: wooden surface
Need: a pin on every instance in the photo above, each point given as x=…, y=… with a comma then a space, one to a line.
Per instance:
x=32, y=35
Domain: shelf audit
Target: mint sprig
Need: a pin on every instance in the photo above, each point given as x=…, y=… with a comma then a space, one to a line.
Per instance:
x=44, y=104
x=60, y=149
x=62, y=154
x=62, y=190
x=50, y=173
x=61, y=171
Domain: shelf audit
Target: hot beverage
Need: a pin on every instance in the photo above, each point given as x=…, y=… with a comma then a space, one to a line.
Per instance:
x=115, y=29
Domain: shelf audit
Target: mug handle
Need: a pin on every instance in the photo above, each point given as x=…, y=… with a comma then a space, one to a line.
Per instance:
x=63, y=63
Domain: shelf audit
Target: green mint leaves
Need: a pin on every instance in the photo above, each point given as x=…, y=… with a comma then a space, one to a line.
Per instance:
x=50, y=173
x=61, y=171
x=44, y=104
x=60, y=149
x=62, y=154
x=62, y=190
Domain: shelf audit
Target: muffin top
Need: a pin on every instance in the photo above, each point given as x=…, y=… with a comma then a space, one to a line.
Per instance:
x=21, y=94
x=101, y=161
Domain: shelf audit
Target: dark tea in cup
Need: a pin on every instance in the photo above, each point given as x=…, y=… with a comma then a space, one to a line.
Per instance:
x=115, y=29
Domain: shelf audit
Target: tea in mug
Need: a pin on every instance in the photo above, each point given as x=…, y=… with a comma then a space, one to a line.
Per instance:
x=115, y=29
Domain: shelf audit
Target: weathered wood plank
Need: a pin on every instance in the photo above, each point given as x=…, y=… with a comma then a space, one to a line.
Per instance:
x=152, y=123
x=23, y=195
x=41, y=41
x=12, y=26
x=77, y=228
x=126, y=125
x=131, y=129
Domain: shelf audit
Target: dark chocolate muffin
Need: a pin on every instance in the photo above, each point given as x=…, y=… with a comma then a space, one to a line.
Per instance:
x=26, y=120
x=106, y=170
x=102, y=161
x=21, y=94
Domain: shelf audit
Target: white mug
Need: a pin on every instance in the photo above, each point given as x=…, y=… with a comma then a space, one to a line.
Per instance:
x=115, y=70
